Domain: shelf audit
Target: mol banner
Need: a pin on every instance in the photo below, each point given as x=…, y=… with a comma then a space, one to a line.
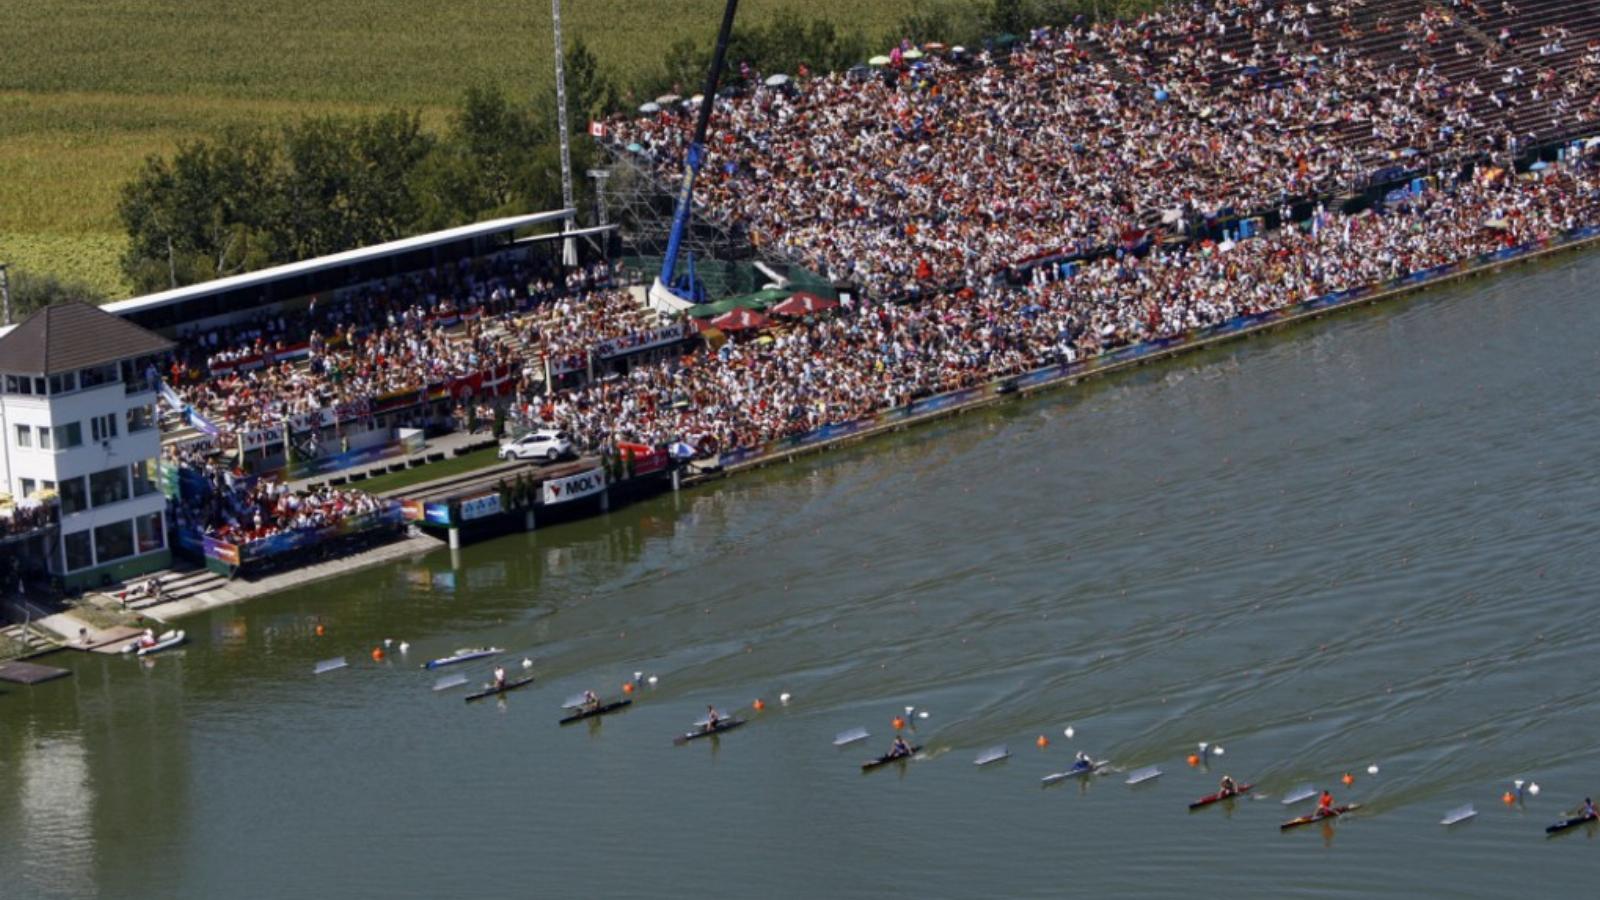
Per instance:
x=572, y=487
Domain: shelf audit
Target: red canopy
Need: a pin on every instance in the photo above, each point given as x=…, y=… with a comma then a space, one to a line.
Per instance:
x=803, y=304
x=739, y=319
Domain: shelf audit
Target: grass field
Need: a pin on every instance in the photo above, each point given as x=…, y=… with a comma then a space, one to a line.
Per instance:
x=88, y=89
x=456, y=465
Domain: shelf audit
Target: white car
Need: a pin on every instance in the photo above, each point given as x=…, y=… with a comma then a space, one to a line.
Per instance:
x=546, y=445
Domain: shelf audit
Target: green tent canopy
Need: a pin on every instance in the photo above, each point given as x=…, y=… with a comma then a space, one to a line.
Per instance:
x=757, y=300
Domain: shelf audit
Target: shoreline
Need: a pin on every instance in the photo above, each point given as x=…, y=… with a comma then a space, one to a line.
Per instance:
x=942, y=406
x=963, y=400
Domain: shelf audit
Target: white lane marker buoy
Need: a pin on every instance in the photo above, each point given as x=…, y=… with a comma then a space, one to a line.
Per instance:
x=527, y=663
x=404, y=646
x=1372, y=769
x=652, y=680
x=1069, y=732
x=782, y=698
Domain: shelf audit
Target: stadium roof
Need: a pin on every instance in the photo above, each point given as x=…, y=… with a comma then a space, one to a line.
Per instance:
x=336, y=260
x=64, y=337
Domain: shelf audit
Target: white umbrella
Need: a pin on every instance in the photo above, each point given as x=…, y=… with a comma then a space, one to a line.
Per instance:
x=664, y=99
x=650, y=108
x=777, y=80
x=878, y=61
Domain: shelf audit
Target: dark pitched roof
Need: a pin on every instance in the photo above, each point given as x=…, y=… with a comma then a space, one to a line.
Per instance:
x=67, y=336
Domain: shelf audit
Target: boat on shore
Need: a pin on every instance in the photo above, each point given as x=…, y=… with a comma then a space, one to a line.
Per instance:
x=465, y=654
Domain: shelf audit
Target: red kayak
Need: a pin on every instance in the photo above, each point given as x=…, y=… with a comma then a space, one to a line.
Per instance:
x=1209, y=799
x=1318, y=817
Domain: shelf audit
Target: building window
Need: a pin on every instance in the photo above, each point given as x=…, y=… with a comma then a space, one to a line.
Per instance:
x=144, y=477
x=103, y=428
x=64, y=383
x=74, y=498
x=149, y=530
x=77, y=546
x=27, y=487
x=141, y=418
x=69, y=435
x=24, y=436
x=113, y=541
x=97, y=376
x=44, y=438
x=110, y=486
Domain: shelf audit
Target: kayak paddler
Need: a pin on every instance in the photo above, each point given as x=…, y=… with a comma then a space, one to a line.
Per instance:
x=900, y=748
x=591, y=700
x=712, y=718
x=499, y=678
x=1325, y=804
x=1082, y=762
x=1588, y=811
x=1227, y=788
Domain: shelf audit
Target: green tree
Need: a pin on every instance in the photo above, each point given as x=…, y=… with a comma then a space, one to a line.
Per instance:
x=31, y=293
x=201, y=215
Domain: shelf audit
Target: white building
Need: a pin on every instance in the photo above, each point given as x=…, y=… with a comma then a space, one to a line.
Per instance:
x=78, y=421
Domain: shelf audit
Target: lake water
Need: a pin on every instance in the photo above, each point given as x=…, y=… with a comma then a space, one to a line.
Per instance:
x=1367, y=540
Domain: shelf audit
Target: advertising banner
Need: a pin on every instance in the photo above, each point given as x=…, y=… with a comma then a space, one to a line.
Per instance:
x=480, y=506
x=436, y=514
x=572, y=487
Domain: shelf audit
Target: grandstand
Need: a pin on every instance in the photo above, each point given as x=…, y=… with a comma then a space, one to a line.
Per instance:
x=1002, y=212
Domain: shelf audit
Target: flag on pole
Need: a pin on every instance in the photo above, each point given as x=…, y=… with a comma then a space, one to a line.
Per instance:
x=597, y=129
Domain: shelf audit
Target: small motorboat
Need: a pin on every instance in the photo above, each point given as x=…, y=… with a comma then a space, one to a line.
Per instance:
x=147, y=645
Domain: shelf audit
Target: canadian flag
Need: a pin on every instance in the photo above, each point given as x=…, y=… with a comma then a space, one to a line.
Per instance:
x=597, y=129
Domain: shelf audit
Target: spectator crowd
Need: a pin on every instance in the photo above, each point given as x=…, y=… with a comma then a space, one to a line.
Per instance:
x=954, y=193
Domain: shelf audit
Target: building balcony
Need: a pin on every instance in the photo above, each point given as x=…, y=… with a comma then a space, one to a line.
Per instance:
x=22, y=519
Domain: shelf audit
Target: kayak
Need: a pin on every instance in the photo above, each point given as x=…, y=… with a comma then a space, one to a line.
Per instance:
x=887, y=758
x=492, y=691
x=166, y=641
x=703, y=731
x=1571, y=822
x=1315, y=817
x=461, y=656
x=1077, y=771
x=1209, y=799
x=602, y=709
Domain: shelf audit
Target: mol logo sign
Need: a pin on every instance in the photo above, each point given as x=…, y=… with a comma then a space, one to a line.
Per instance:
x=583, y=484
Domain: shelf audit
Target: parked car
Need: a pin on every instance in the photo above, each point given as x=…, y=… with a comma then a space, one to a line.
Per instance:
x=546, y=445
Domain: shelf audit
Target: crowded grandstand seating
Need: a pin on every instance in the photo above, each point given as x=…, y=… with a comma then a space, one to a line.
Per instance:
x=1099, y=187
x=938, y=173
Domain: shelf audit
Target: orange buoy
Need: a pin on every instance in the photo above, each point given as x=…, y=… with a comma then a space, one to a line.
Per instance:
x=1508, y=798
x=758, y=705
x=1043, y=742
x=377, y=653
x=899, y=723
x=1194, y=759
x=1348, y=779
x=627, y=687
x=319, y=631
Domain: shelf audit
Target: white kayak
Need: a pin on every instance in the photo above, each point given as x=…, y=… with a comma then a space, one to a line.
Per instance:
x=166, y=641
